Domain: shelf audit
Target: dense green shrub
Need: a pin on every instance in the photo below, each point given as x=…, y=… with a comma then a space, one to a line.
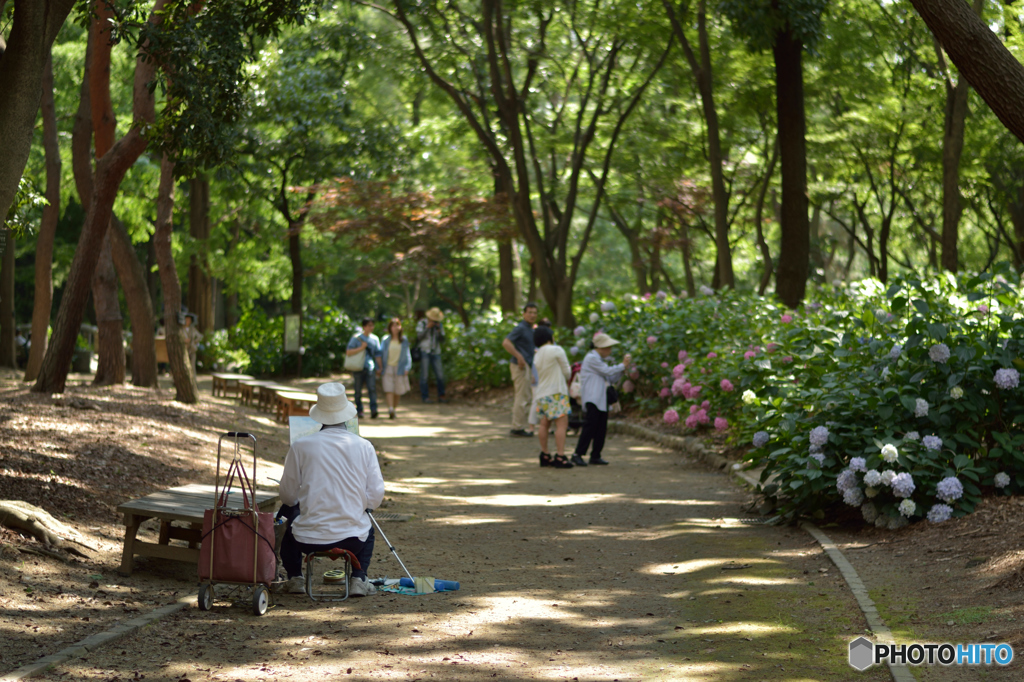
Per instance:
x=474, y=353
x=877, y=370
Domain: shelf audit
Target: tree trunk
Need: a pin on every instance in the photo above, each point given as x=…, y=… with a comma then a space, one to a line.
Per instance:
x=980, y=56
x=110, y=341
x=507, y=277
x=22, y=65
x=794, y=247
x=110, y=170
x=43, y=300
x=762, y=243
x=140, y=306
x=200, y=290
x=8, y=349
x=295, y=253
x=186, y=389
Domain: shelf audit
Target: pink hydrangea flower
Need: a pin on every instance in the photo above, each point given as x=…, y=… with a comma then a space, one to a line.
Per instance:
x=726, y=385
x=627, y=386
x=665, y=392
x=703, y=370
x=982, y=308
x=712, y=355
x=787, y=359
x=702, y=416
x=647, y=296
x=680, y=387
x=678, y=371
x=651, y=340
x=721, y=424
x=664, y=365
x=682, y=355
x=691, y=421
x=771, y=347
x=750, y=354
x=706, y=405
x=693, y=408
x=671, y=416
x=694, y=392
x=787, y=318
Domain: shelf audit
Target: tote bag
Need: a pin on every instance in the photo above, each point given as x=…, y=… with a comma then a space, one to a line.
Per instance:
x=356, y=361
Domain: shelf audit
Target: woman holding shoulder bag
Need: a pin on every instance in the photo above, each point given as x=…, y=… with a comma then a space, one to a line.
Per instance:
x=596, y=378
x=395, y=362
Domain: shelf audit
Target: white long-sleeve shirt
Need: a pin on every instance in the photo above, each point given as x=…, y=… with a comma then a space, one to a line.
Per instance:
x=334, y=477
x=595, y=375
x=552, y=371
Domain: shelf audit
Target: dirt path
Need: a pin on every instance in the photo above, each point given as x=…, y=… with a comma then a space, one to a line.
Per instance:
x=637, y=571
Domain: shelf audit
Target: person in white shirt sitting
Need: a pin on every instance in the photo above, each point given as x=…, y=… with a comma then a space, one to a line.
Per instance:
x=333, y=477
x=551, y=396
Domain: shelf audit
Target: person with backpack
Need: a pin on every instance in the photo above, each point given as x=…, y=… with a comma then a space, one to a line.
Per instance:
x=596, y=378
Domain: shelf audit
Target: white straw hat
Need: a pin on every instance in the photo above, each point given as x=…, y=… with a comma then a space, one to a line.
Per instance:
x=332, y=405
x=602, y=340
x=435, y=314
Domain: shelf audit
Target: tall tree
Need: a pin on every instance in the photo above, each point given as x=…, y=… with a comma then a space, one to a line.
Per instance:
x=22, y=64
x=787, y=28
x=701, y=67
x=543, y=88
x=43, y=298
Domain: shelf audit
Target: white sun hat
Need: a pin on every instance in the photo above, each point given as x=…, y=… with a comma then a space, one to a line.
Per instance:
x=602, y=340
x=332, y=405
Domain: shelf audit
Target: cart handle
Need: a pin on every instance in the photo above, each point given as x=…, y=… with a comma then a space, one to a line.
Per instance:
x=237, y=434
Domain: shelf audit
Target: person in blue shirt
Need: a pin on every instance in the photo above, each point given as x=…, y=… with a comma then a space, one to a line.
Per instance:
x=395, y=361
x=519, y=344
x=368, y=341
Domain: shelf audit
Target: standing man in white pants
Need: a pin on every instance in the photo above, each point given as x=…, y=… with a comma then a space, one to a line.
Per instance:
x=519, y=343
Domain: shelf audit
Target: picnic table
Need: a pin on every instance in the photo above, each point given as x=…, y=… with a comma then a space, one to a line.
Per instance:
x=184, y=505
x=293, y=403
x=248, y=390
x=224, y=382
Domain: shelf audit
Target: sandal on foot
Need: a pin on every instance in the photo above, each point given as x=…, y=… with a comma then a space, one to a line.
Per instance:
x=545, y=460
x=560, y=462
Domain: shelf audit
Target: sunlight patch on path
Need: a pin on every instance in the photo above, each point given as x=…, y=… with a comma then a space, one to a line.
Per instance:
x=387, y=432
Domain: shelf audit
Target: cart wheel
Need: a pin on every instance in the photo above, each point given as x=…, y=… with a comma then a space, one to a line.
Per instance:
x=260, y=600
x=205, y=597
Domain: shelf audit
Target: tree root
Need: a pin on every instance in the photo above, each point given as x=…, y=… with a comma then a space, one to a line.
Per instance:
x=42, y=526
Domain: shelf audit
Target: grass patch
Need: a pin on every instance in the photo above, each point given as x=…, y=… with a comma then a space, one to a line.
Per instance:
x=972, y=615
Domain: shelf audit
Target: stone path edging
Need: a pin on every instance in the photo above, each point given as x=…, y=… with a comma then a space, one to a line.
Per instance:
x=93, y=642
x=693, y=446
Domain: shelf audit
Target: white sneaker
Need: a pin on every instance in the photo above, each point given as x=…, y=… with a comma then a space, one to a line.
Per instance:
x=296, y=585
x=361, y=587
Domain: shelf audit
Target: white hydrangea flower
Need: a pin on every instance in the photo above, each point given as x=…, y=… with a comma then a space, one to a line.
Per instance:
x=889, y=453
x=912, y=435
x=907, y=507
x=1002, y=479
x=870, y=492
x=956, y=393
x=885, y=372
x=858, y=464
x=819, y=435
x=887, y=476
x=873, y=478
x=749, y=397
x=594, y=317
x=706, y=290
x=921, y=408
x=939, y=353
x=895, y=351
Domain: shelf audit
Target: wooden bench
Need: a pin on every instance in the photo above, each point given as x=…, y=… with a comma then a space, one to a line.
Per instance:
x=224, y=382
x=248, y=390
x=266, y=394
x=293, y=403
x=184, y=505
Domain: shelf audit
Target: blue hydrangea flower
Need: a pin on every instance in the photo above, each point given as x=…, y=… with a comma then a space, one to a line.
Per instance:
x=853, y=497
x=885, y=373
x=895, y=351
x=939, y=353
x=488, y=353
x=858, y=464
x=903, y=485
x=1002, y=479
x=706, y=290
x=907, y=508
x=939, y=513
x=873, y=478
x=932, y=442
x=912, y=435
x=818, y=457
x=607, y=307
x=921, y=408
x=761, y=439
x=579, y=331
x=949, y=489
x=1007, y=378
x=846, y=480
x=819, y=435
x=869, y=512
x=573, y=350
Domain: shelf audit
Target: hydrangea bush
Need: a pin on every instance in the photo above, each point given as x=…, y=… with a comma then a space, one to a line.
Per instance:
x=902, y=401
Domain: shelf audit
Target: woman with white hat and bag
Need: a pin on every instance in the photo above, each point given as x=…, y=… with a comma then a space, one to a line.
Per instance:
x=596, y=377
